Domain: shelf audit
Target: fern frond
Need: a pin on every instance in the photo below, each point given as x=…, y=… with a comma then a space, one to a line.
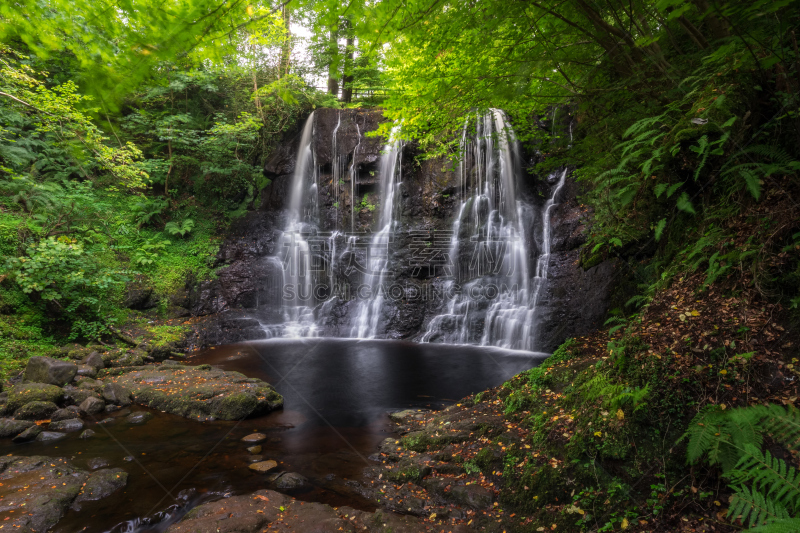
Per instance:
x=782, y=424
x=754, y=508
x=769, y=475
x=788, y=525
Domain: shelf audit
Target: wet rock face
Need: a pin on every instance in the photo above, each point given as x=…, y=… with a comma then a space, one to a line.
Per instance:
x=574, y=301
x=51, y=485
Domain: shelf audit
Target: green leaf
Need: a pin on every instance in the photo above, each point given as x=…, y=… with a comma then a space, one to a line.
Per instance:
x=685, y=204
x=660, y=228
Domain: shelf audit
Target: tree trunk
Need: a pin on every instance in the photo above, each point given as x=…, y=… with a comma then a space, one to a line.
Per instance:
x=347, y=77
x=286, y=50
x=333, y=65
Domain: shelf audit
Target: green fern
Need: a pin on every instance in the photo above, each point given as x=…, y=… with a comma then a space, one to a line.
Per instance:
x=766, y=489
x=173, y=228
x=754, y=508
x=775, y=162
x=769, y=475
x=789, y=525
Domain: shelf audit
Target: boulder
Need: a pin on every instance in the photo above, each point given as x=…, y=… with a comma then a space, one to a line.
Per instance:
x=291, y=481
x=95, y=360
x=11, y=428
x=87, y=370
x=73, y=424
x=49, y=436
x=66, y=413
x=87, y=433
x=78, y=395
x=138, y=418
x=35, y=411
x=254, y=450
x=28, y=435
x=117, y=394
x=92, y=406
x=48, y=370
x=24, y=393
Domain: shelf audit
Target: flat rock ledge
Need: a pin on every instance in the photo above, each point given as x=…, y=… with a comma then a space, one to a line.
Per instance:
x=36, y=491
x=196, y=392
x=269, y=510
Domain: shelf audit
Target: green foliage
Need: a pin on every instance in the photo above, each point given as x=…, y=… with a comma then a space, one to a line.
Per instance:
x=365, y=204
x=173, y=228
x=146, y=209
x=766, y=489
x=56, y=270
x=147, y=252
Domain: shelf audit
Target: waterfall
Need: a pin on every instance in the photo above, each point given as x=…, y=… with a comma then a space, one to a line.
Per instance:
x=491, y=298
x=353, y=178
x=336, y=170
x=369, y=310
x=298, y=300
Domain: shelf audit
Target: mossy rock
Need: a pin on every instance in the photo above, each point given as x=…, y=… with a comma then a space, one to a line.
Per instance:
x=35, y=411
x=408, y=470
x=199, y=394
x=25, y=393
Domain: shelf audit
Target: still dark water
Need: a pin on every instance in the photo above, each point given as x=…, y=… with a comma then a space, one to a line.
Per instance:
x=337, y=393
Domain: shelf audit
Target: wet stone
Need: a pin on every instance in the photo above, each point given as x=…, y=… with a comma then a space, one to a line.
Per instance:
x=50, y=436
x=36, y=411
x=254, y=438
x=95, y=360
x=11, y=428
x=116, y=394
x=97, y=462
x=78, y=395
x=24, y=393
x=264, y=466
x=86, y=370
x=139, y=418
x=102, y=483
x=87, y=433
x=92, y=406
x=254, y=450
x=65, y=414
x=291, y=481
x=73, y=424
x=28, y=435
x=50, y=371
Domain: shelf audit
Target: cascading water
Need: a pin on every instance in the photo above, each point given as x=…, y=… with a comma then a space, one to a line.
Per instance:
x=491, y=298
x=369, y=310
x=298, y=300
